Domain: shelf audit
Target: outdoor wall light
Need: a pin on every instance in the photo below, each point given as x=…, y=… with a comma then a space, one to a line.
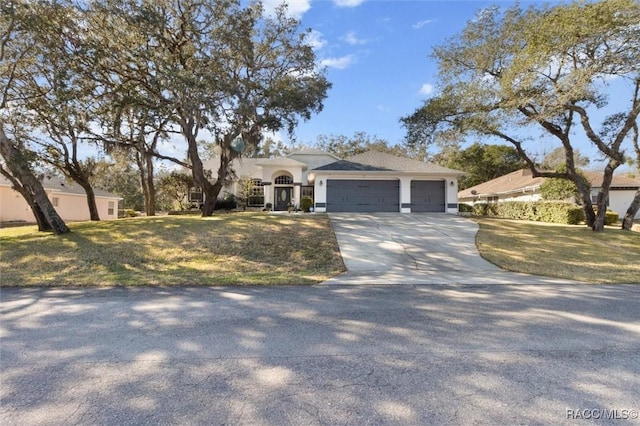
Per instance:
x=321, y=183
x=453, y=183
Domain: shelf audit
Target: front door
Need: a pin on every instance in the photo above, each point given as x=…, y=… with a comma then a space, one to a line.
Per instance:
x=283, y=197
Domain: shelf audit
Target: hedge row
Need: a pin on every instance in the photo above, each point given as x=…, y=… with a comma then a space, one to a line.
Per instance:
x=539, y=211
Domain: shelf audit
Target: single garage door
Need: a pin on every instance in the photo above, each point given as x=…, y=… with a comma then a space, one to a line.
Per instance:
x=363, y=195
x=427, y=196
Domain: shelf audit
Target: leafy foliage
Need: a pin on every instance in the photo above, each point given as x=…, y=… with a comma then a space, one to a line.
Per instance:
x=515, y=72
x=482, y=162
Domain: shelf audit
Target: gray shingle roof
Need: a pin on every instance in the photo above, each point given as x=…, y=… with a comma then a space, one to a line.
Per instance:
x=344, y=165
x=381, y=161
x=404, y=164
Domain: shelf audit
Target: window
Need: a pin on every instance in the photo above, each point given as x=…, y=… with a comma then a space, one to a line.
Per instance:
x=256, y=193
x=307, y=191
x=284, y=180
x=55, y=201
x=111, y=208
x=492, y=199
x=195, y=195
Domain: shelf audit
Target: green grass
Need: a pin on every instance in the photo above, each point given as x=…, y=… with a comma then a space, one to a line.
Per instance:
x=239, y=248
x=563, y=251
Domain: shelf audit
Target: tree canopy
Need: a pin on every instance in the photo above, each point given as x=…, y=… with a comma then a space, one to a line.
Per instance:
x=135, y=74
x=513, y=73
x=482, y=162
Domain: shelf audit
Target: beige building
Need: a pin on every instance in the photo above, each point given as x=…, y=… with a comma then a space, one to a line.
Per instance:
x=69, y=200
x=522, y=186
x=368, y=182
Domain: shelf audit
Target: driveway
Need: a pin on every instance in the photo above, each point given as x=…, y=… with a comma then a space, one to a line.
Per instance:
x=394, y=248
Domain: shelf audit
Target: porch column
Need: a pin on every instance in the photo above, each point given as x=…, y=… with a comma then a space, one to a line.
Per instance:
x=296, y=193
x=405, y=194
x=268, y=194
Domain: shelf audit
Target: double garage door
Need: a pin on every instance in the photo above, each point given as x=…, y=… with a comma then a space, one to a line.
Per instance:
x=383, y=196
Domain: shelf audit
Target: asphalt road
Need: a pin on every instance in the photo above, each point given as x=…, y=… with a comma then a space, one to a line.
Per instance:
x=449, y=354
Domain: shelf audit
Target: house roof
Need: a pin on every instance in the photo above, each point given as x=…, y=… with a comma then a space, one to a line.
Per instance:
x=344, y=165
x=311, y=151
x=64, y=186
x=618, y=181
x=381, y=161
x=404, y=164
x=281, y=161
x=518, y=181
x=523, y=181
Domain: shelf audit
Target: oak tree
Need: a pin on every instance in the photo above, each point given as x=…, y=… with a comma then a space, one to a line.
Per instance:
x=514, y=73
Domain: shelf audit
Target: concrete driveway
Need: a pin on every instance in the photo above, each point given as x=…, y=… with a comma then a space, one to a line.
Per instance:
x=394, y=248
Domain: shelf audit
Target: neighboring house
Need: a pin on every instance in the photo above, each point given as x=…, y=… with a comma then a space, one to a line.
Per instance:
x=522, y=186
x=368, y=182
x=69, y=200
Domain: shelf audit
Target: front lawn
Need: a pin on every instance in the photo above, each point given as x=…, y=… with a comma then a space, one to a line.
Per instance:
x=563, y=251
x=239, y=248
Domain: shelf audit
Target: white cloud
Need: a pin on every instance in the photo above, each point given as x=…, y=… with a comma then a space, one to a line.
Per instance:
x=426, y=89
x=296, y=8
x=422, y=23
x=348, y=3
x=352, y=39
x=383, y=108
x=339, y=63
x=315, y=39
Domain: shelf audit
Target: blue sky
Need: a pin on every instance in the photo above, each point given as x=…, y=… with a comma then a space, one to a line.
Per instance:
x=377, y=56
x=377, y=53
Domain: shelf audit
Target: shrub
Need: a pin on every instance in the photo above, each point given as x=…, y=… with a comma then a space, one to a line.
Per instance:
x=540, y=211
x=465, y=208
x=484, y=209
x=306, y=203
x=227, y=203
x=611, y=218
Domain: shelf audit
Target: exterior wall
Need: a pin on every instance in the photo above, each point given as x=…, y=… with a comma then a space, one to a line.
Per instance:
x=71, y=207
x=312, y=161
x=451, y=195
x=13, y=207
x=529, y=196
x=619, y=201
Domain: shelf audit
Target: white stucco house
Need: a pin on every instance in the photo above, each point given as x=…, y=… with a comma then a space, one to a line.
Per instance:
x=522, y=186
x=368, y=182
x=69, y=200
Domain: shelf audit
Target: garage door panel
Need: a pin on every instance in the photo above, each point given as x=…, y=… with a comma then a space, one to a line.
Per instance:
x=427, y=196
x=363, y=196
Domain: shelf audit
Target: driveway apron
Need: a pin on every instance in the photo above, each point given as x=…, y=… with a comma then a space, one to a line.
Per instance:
x=416, y=248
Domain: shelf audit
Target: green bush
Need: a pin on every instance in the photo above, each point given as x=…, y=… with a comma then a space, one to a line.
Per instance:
x=227, y=203
x=611, y=218
x=306, y=203
x=465, y=208
x=540, y=211
x=484, y=209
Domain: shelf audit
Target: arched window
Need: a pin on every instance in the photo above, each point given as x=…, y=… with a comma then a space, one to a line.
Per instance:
x=256, y=193
x=284, y=180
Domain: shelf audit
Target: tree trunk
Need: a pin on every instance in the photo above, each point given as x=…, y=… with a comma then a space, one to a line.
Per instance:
x=209, y=190
x=35, y=195
x=91, y=196
x=143, y=181
x=627, y=222
x=607, y=177
x=151, y=197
